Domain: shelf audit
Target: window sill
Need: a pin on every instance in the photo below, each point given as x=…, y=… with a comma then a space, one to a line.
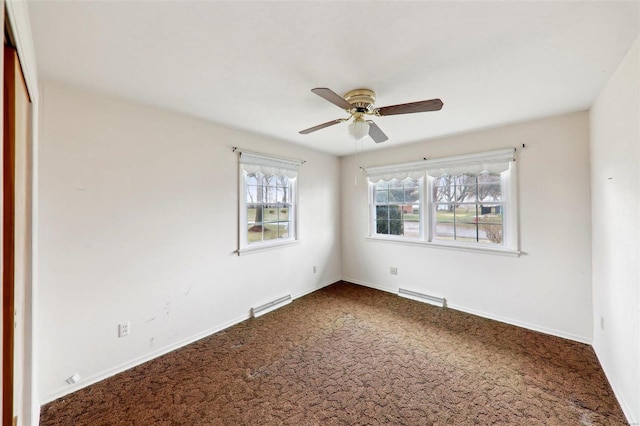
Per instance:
x=439, y=245
x=265, y=246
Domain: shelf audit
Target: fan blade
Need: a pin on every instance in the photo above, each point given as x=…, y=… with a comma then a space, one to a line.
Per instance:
x=375, y=133
x=421, y=106
x=332, y=97
x=321, y=126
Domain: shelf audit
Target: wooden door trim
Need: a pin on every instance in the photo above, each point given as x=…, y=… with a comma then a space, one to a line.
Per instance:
x=8, y=236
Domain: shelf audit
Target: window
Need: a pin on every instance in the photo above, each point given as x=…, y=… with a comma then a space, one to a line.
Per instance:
x=267, y=201
x=468, y=208
x=397, y=207
x=469, y=201
x=268, y=207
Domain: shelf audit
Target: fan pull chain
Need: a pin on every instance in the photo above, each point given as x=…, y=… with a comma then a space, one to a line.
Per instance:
x=355, y=160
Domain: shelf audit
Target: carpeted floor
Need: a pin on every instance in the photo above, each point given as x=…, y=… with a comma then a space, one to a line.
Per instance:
x=350, y=355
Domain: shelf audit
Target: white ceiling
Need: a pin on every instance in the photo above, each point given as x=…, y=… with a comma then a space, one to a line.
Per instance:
x=251, y=65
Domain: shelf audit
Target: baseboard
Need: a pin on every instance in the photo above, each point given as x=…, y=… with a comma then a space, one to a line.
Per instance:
x=532, y=327
x=626, y=407
x=141, y=360
x=163, y=351
x=371, y=285
x=528, y=326
x=314, y=288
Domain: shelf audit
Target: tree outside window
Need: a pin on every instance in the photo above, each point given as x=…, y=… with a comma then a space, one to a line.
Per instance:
x=268, y=207
x=397, y=207
x=468, y=208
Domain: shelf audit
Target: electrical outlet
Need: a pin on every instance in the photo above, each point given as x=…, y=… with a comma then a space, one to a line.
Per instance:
x=124, y=329
x=602, y=323
x=393, y=270
x=74, y=379
x=314, y=270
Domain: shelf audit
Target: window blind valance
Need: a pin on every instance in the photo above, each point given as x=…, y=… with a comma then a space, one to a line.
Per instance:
x=402, y=171
x=265, y=165
x=472, y=164
x=492, y=161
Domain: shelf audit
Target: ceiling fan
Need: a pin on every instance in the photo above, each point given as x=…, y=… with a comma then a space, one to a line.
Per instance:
x=358, y=103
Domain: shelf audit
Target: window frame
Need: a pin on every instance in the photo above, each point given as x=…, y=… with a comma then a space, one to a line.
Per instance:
x=505, y=203
x=508, y=182
x=373, y=214
x=244, y=246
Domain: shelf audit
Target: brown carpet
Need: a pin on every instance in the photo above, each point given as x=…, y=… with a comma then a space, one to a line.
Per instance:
x=350, y=355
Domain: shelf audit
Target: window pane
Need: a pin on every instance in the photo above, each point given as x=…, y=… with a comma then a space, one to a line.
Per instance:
x=382, y=212
x=395, y=183
x=283, y=214
x=282, y=195
x=269, y=194
x=411, y=191
x=490, y=213
x=252, y=179
x=465, y=188
x=270, y=213
x=283, y=181
x=466, y=194
x=382, y=196
x=396, y=195
x=466, y=213
x=444, y=180
x=396, y=227
x=491, y=233
x=382, y=226
x=382, y=186
x=254, y=213
x=283, y=230
x=443, y=194
x=411, y=229
x=269, y=180
x=397, y=207
x=444, y=231
x=490, y=192
x=444, y=213
x=488, y=178
x=409, y=214
x=395, y=212
x=251, y=213
x=466, y=232
x=270, y=231
x=253, y=194
x=254, y=233
x=267, y=201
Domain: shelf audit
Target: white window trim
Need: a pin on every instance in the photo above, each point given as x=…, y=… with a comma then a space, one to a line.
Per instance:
x=269, y=165
x=448, y=246
x=510, y=245
x=372, y=214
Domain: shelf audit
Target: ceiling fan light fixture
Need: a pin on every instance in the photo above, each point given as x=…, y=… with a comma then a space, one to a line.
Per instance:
x=358, y=103
x=358, y=129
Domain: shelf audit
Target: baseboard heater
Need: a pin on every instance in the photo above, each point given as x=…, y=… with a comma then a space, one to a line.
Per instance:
x=414, y=295
x=256, y=311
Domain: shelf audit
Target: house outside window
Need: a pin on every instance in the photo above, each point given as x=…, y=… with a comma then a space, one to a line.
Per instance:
x=468, y=208
x=466, y=201
x=397, y=207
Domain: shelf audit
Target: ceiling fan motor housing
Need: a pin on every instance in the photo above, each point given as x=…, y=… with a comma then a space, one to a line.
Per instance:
x=361, y=98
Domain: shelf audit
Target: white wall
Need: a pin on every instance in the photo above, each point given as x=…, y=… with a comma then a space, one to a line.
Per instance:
x=615, y=183
x=548, y=288
x=138, y=217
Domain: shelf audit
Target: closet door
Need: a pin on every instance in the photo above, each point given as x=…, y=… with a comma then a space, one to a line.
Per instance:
x=16, y=212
